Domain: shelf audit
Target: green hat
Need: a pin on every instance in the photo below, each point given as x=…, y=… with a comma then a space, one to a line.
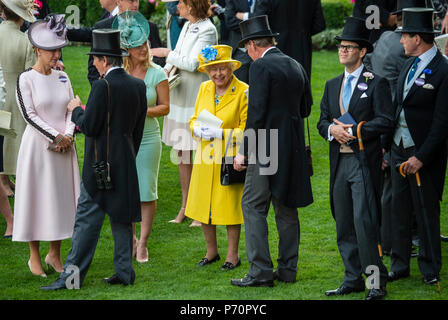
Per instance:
x=134, y=28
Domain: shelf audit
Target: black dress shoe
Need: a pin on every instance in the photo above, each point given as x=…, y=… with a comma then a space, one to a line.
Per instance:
x=229, y=265
x=376, y=294
x=430, y=280
x=115, y=279
x=342, y=290
x=205, y=261
x=443, y=238
x=249, y=281
x=276, y=277
x=393, y=276
x=59, y=284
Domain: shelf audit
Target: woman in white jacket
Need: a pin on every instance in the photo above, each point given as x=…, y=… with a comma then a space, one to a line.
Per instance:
x=196, y=34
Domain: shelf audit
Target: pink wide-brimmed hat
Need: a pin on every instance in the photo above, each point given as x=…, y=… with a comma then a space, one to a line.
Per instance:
x=49, y=33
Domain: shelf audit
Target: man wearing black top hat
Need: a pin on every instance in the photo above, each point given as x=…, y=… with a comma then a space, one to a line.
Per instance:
x=387, y=60
x=279, y=99
x=419, y=140
x=354, y=96
x=113, y=123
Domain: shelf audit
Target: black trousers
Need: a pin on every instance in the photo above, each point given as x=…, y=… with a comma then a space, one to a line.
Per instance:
x=405, y=199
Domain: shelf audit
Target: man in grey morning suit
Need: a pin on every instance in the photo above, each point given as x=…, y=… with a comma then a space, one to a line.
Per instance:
x=366, y=97
x=279, y=99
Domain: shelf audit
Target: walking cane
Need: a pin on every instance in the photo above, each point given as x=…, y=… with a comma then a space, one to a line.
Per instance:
x=368, y=183
x=425, y=217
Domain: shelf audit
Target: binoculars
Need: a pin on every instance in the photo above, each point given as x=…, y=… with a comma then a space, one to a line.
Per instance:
x=102, y=175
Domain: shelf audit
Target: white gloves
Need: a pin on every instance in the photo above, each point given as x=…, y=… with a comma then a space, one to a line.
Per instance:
x=207, y=133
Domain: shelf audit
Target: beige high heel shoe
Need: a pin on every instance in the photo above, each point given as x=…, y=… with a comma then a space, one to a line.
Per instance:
x=145, y=259
x=43, y=275
x=48, y=262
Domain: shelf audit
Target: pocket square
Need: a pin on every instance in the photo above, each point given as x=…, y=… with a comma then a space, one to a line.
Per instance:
x=428, y=86
x=364, y=95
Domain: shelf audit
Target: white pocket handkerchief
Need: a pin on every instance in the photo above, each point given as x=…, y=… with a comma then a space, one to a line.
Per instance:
x=428, y=86
x=364, y=95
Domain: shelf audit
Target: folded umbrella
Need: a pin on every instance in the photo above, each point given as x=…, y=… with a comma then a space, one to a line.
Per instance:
x=425, y=219
x=369, y=189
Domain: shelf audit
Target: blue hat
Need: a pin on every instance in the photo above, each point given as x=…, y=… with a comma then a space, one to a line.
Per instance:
x=134, y=28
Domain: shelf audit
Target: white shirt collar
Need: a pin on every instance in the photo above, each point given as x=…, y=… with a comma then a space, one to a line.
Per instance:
x=267, y=51
x=114, y=12
x=113, y=68
x=428, y=55
x=356, y=74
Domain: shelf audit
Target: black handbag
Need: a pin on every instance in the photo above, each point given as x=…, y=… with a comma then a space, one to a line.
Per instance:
x=228, y=174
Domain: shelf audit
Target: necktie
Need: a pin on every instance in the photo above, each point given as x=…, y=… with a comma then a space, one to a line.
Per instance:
x=413, y=69
x=347, y=94
x=250, y=2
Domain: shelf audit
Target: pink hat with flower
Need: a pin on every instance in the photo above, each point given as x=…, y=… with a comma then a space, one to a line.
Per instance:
x=49, y=33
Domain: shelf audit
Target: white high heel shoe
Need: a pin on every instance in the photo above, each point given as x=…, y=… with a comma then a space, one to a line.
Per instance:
x=43, y=275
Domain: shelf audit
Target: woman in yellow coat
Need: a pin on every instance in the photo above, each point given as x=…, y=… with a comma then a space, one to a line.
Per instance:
x=221, y=109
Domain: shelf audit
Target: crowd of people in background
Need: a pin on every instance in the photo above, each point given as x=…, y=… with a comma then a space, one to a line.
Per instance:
x=384, y=118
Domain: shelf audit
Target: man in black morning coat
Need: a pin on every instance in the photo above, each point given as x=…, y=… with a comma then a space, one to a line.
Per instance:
x=419, y=139
x=295, y=21
x=122, y=203
x=366, y=97
x=279, y=97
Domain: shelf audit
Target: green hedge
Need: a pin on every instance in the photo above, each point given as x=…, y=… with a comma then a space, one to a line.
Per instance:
x=90, y=10
x=336, y=11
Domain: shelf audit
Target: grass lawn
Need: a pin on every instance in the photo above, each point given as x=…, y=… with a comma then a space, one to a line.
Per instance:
x=174, y=250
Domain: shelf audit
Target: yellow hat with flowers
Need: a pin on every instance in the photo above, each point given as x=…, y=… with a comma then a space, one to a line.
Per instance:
x=211, y=55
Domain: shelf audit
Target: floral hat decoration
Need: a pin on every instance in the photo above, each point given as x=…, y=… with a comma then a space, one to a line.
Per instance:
x=49, y=33
x=23, y=8
x=134, y=28
x=211, y=55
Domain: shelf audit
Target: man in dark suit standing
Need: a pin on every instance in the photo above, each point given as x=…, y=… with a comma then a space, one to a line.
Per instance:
x=113, y=124
x=296, y=22
x=279, y=99
x=365, y=97
x=419, y=140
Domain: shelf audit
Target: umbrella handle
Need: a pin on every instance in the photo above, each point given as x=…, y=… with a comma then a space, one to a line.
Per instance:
x=400, y=169
x=358, y=133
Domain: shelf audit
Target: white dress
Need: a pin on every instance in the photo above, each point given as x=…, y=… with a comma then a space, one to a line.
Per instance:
x=193, y=38
x=47, y=182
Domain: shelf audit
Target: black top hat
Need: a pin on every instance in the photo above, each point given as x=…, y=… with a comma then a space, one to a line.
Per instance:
x=417, y=20
x=355, y=30
x=403, y=4
x=256, y=27
x=106, y=42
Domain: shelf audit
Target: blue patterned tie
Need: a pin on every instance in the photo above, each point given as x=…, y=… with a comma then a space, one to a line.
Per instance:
x=413, y=69
x=250, y=2
x=347, y=94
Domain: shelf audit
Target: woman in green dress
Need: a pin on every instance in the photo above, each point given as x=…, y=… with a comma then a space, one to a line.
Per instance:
x=134, y=35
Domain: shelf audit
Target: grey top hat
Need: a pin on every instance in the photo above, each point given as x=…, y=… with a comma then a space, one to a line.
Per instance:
x=403, y=4
x=106, y=42
x=417, y=20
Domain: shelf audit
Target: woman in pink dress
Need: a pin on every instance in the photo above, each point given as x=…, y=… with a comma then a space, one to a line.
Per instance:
x=47, y=180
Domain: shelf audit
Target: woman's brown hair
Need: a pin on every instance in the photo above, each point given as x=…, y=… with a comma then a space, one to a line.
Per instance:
x=9, y=15
x=199, y=8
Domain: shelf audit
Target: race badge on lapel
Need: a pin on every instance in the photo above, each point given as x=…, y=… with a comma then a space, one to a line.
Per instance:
x=63, y=79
